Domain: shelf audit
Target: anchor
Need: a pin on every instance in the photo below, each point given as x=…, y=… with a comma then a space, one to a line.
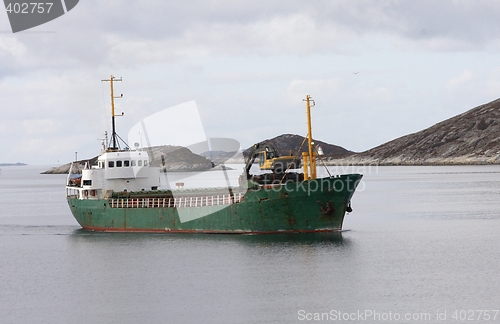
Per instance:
x=328, y=210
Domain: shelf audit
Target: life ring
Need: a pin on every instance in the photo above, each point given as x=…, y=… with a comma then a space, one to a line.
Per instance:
x=85, y=193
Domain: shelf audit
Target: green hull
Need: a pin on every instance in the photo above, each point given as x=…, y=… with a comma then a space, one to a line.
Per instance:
x=311, y=206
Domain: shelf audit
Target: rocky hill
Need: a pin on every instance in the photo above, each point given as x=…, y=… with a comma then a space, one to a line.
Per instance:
x=287, y=143
x=178, y=158
x=469, y=138
x=220, y=157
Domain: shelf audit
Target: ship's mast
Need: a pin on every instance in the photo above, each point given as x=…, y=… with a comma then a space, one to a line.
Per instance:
x=113, y=131
x=310, y=156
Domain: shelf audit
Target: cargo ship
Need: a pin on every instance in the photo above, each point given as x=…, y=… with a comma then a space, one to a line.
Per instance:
x=122, y=193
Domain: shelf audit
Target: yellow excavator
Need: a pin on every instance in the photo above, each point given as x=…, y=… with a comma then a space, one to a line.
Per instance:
x=270, y=160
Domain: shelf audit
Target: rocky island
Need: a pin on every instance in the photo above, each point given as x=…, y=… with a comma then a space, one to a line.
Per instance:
x=289, y=144
x=176, y=158
x=472, y=137
x=13, y=164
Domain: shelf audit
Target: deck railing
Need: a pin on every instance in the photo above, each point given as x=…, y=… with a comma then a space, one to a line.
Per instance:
x=200, y=201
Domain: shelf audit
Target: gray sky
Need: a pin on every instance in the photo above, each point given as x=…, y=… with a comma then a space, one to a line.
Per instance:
x=248, y=65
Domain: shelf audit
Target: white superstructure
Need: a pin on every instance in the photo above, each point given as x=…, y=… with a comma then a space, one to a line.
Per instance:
x=118, y=170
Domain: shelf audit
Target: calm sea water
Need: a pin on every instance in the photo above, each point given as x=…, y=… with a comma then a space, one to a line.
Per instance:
x=422, y=246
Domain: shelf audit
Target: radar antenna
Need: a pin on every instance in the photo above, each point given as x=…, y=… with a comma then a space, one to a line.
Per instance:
x=114, y=136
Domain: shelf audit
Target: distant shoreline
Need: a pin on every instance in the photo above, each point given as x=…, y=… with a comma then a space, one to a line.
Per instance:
x=461, y=160
x=13, y=164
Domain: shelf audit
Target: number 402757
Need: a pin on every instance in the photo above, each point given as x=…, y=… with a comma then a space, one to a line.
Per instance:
x=474, y=315
x=29, y=7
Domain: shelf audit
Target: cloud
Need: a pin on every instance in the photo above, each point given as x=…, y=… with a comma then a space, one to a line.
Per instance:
x=120, y=33
x=459, y=81
x=492, y=83
x=473, y=22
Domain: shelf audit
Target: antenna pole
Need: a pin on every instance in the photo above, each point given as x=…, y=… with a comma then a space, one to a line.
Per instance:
x=113, y=111
x=113, y=133
x=312, y=155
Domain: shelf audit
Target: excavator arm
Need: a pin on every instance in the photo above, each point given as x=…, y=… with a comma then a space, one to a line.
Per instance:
x=256, y=149
x=269, y=159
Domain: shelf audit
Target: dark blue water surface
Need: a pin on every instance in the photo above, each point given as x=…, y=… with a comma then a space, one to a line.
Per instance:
x=421, y=246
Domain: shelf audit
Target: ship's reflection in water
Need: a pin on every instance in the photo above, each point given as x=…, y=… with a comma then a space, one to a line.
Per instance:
x=256, y=240
x=179, y=276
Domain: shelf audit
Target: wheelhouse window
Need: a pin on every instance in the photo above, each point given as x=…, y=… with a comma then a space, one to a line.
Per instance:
x=111, y=164
x=118, y=164
x=87, y=182
x=145, y=162
x=126, y=163
x=139, y=163
x=132, y=163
